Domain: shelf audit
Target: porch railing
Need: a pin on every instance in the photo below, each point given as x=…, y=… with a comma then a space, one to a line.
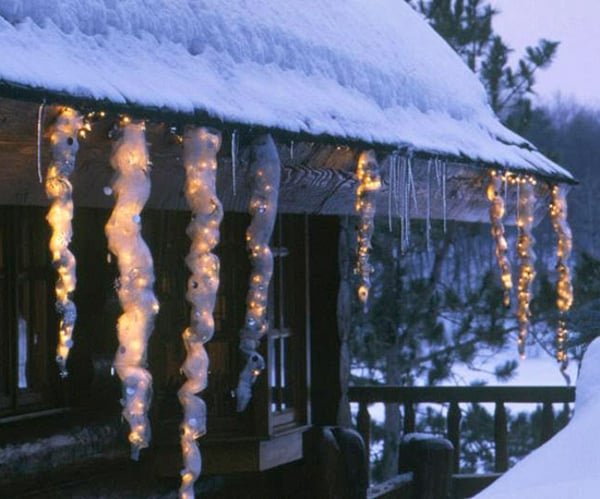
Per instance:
x=452, y=396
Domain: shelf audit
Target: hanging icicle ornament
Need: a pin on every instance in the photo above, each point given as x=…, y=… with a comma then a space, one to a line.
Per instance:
x=131, y=188
x=564, y=288
x=64, y=146
x=265, y=172
x=369, y=183
x=200, y=148
x=497, y=211
x=525, y=241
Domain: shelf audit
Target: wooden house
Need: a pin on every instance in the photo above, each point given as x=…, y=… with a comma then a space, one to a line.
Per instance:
x=316, y=84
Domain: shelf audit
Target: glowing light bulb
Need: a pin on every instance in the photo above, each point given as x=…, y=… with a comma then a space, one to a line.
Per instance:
x=265, y=172
x=131, y=187
x=200, y=148
x=369, y=184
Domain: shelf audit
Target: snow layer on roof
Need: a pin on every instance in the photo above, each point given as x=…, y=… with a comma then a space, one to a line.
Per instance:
x=567, y=465
x=372, y=71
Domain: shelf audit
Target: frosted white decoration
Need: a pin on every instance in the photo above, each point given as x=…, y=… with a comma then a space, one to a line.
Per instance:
x=131, y=187
x=369, y=183
x=200, y=148
x=265, y=172
x=64, y=146
x=497, y=212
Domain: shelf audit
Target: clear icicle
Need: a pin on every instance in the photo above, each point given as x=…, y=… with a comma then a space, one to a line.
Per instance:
x=444, y=168
x=564, y=287
x=525, y=241
x=497, y=212
x=292, y=150
x=131, y=187
x=369, y=183
x=234, y=155
x=428, y=209
x=200, y=148
x=40, y=120
x=265, y=172
x=64, y=144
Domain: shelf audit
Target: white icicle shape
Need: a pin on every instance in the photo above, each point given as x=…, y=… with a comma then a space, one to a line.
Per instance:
x=63, y=138
x=265, y=172
x=131, y=188
x=564, y=287
x=526, y=256
x=200, y=148
x=369, y=183
x=497, y=211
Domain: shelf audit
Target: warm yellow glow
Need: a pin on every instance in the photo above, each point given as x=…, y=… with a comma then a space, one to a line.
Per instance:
x=526, y=256
x=200, y=149
x=564, y=288
x=497, y=211
x=63, y=136
x=131, y=187
x=367, y=172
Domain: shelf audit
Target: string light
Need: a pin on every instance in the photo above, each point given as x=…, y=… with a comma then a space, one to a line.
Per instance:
x=64, y=147
x=369, y=184
x=200, y=148
x=131, y=188
x=265, y=174
x=497, y=212
x=564, y=288
x=526, y=256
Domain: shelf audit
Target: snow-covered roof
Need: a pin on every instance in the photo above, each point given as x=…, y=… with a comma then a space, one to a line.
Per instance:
x=371, y=71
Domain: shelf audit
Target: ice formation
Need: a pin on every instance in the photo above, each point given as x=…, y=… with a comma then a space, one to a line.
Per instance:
x=497, y=211
x=525, y=241
x=265, y=175
x=64, y=145
x=369, y=183
x=131, y=188
x=564, y=288
x=200, y=148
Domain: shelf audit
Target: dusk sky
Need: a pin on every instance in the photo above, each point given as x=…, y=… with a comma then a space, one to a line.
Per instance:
x=575, y=23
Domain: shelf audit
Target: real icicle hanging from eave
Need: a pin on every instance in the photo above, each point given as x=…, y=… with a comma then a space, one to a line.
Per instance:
x=265, y=173
x=525, y=242
x=369, y=184
x=131, y=188
x=200, y=148
x=564, y=287
x=64, y=146
x=497, y=212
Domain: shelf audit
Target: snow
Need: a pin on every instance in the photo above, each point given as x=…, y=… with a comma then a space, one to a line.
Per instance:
x=567, y=465
x=372, y=71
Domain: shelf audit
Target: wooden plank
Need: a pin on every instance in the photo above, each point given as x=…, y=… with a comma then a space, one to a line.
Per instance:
x=469, y=485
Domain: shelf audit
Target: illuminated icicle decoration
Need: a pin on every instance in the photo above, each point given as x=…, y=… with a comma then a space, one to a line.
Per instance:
x=497, y=211
x=369, y=183
x=265, y=172
x=131, y=187
x=525, y=204
x=564, y=288
x=64, y=144
x=200, y=148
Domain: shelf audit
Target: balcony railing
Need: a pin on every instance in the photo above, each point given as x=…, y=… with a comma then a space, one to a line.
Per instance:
x=410, y=397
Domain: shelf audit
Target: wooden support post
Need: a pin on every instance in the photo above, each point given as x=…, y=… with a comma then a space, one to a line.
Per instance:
x=453, y=427
x=500, y=438
x=364, y=426
x=409, y=417
x=547, y=422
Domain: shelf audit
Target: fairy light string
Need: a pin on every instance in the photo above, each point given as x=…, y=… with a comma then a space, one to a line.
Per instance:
x=564, y=287
x=131, y=188
x=64, y=146
x=265, y=173
x=200, y=148
x=369, y=183
x=497, y=212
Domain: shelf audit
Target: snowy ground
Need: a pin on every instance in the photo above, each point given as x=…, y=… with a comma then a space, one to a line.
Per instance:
x=569, y=464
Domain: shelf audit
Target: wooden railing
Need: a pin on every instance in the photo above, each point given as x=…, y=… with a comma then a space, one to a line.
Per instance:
x=409, y=397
